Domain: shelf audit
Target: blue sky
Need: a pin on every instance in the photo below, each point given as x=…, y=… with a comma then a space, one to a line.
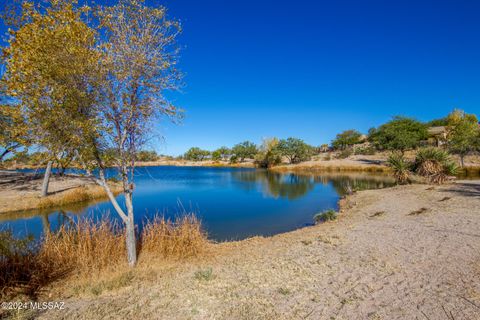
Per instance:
x=311, y=69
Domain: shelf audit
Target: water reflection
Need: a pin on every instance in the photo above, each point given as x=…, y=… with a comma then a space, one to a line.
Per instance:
x=296, y=185
x=232, y=203
x=276, y=185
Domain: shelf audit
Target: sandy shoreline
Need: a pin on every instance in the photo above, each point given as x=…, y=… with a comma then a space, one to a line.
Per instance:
x=22, y=192
x=384, y=258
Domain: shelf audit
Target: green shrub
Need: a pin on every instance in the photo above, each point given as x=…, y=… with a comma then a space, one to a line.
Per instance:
x=366, y=151
x=345, y=154
x=205, y=275
x=325, y=216
x=434, y=164
x=401, y=167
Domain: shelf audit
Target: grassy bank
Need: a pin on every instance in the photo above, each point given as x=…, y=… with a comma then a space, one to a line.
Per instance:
x=88, y=250
x=17, y=200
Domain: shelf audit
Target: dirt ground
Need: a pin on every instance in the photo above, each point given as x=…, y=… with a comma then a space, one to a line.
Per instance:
x=409, y=252
x=22, y=191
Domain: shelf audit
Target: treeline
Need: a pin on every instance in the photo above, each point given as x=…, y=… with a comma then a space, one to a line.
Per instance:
x=66, y=160
x=457, y=133
x=269, y=153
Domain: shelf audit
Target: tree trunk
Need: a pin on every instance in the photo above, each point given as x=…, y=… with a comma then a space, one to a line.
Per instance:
x=462, y=160
x=130, y=232
x=46, y=224
x=46, y=179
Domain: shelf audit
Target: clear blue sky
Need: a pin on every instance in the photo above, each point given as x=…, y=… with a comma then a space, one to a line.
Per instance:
x=311, y=69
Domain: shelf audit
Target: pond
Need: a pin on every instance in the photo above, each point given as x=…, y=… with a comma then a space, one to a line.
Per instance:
x=232, y=203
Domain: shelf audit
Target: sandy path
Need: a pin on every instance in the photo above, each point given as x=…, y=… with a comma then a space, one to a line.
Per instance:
x=392, y=265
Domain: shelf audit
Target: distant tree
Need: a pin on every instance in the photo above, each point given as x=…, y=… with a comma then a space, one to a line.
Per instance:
x=196, y=154
x=245, y=150
x=222, y=153
x=463, y=132
x=441, y=122
x=146, y=155
x=346, y=139
x=295, y=150
x=400, y=134
x=323, y=148
x=269, y=154
x=216, y=155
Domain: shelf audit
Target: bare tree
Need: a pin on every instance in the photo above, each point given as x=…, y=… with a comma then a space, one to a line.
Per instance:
x=139, y=63
x=95, y=85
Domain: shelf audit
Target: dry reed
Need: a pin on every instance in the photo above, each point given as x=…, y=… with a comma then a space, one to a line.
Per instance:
x=80, y=194
x=180, y=238
x=87, y=247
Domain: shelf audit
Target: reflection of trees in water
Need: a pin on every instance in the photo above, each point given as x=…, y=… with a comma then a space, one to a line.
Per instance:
x=346, y=184
x=277, y=185
x=293, y=186
x=64, y=216
x=62, y=220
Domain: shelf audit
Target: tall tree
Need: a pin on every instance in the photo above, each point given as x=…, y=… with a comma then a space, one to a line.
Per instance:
x=296, y=150
x=400, y=134
x=245, y=150
x=107, y=81
x=463, y=131
x=196, y=154
x=346, y=139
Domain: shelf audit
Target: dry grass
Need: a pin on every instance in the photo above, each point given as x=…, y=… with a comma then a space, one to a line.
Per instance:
x=80, y=194
x=85, y=247
x=332, y=168
x=181, y=238
x=93, y=248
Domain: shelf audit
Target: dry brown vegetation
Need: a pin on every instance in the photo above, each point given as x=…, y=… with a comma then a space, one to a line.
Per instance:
x=68, y=190
x=89, y=247
x=80, y=194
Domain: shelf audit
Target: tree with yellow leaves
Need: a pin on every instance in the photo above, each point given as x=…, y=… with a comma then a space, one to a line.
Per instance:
x=95, y=85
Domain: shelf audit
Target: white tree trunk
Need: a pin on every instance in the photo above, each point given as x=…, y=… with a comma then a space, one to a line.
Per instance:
x=131, y=242
x=46, y=179
x=130, y=232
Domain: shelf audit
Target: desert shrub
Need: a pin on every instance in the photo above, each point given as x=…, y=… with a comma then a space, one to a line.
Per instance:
x=401, y=167
x=370, y=151
x=205, y=275
x=434, y=164
x=345, y=154
x=325, y=216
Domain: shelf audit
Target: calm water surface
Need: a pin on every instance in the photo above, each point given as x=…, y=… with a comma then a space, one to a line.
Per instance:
x=232, y=203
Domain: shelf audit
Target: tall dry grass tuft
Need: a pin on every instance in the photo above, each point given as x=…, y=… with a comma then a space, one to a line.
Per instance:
x=180, y=238
x=88, y=247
